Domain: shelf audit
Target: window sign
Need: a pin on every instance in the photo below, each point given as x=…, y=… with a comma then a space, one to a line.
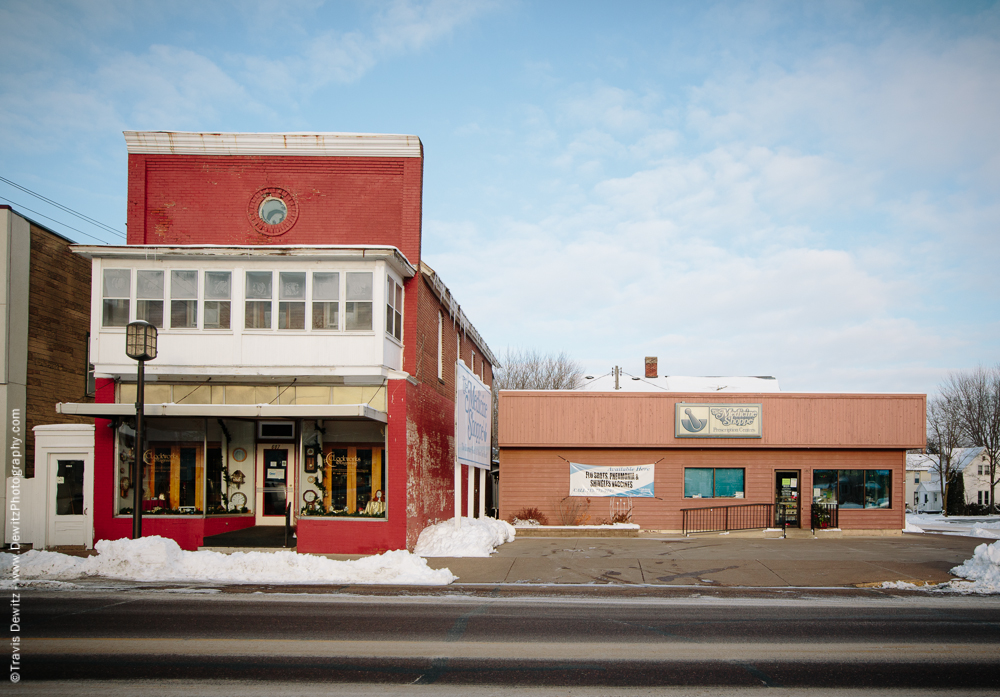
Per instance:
x=630, y=481
x=717, y=420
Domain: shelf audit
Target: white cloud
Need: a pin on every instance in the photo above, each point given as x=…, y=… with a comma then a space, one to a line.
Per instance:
x=397, y=28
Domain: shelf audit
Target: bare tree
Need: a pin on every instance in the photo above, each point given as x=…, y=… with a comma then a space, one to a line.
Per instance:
x=977, y=396
x=945, y=433
x=528, y=369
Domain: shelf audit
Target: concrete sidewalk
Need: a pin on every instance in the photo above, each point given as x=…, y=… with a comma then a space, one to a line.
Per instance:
x=717, y=560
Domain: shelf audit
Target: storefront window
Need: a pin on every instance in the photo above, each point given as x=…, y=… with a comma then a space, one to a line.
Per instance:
x=229, y=466
x=853, y=488
x=174, y=467
x=190, y=467
x=707, y=482
x=824, y=486
x=341, y=478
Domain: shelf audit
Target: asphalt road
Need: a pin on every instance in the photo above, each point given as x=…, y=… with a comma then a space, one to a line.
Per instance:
x=434, y=643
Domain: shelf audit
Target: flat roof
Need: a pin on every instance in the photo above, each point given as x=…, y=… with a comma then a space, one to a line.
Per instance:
x=273, y=144
x=389, y=254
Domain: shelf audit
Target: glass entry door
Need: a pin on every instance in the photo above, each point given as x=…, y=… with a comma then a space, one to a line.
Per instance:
x=786, y=498
x=274, y=474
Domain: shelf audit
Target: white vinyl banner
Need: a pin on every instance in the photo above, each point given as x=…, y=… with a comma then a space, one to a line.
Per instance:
x=473, y=419
x=634, y=481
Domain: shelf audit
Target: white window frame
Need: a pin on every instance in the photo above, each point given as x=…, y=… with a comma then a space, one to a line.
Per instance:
x=393, y=313
x=440, y=356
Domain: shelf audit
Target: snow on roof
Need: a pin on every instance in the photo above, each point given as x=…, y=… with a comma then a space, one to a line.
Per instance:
x=961, y=458
x=680, y=383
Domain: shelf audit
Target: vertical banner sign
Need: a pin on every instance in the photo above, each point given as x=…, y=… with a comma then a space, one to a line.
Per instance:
x=473, y=419
x=630, y=481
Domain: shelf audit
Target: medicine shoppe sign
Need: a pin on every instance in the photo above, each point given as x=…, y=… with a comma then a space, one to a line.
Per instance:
x=718, y=420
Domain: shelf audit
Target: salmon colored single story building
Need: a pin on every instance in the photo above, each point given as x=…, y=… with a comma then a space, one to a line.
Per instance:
x=682, y=462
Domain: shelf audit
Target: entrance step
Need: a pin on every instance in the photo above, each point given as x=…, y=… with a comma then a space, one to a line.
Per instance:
x=259, y=537
x=233, y=550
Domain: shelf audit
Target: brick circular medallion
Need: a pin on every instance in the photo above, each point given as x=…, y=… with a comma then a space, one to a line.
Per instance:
x=272, y=211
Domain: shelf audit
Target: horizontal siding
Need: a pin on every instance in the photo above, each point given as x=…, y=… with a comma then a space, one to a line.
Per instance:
x=588, y=419
x=539, y=478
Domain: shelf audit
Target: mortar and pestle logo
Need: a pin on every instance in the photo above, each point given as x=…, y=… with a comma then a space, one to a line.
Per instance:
x=693, y=423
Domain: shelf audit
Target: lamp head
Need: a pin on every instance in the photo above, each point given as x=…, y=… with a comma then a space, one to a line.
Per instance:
x=140, y=341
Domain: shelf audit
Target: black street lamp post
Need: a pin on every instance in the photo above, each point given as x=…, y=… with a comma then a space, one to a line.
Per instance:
x=140, y=345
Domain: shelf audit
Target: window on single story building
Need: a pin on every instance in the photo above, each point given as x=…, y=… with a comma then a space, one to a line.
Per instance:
x=713, y=482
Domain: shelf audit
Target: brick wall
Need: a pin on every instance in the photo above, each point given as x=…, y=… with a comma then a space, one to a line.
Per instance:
x=430, y=461
x=425, y=349
x=58, y=322
x=189, y=199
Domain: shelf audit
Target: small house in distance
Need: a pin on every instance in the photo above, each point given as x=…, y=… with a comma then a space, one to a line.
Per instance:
x=694, y=459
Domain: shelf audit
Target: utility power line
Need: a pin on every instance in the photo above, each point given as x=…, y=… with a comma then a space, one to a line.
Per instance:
x=61, y=207
x=23, y=207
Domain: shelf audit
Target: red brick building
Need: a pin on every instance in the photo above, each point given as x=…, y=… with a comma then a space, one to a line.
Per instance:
x=306, y=352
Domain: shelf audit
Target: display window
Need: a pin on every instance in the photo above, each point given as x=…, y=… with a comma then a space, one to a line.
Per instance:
x=229, y=465
x=190, y=467
x=342, y=478
x=853, y=488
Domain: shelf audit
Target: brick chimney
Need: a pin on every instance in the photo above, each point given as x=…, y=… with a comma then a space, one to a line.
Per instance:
x=650, y=366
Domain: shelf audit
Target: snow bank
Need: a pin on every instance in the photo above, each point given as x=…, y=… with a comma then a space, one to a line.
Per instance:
x=910, y=527
x=478, y=537
x=161, y=559
x=606, y=526
x=983, y=569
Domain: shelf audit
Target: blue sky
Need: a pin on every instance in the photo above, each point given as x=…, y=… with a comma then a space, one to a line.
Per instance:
x=807, y=190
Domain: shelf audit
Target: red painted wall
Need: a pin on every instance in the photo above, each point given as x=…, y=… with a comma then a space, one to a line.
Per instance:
x=355, y=536
x=430, y=475
x=193, y=199
x=188, y=532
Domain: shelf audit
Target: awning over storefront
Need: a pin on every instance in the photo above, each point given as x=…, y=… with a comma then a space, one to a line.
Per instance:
x=356, y=412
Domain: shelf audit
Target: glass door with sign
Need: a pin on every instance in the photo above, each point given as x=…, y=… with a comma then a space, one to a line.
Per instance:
x=786, y=498
x=273, y=473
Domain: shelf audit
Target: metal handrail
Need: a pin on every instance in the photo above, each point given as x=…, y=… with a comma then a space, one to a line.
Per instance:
x=744, y=516
x=825, y=515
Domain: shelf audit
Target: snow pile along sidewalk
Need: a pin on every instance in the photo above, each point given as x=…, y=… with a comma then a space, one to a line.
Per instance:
x=161, y=559
x=983, y=569
x=478, y=537
x=990, y=530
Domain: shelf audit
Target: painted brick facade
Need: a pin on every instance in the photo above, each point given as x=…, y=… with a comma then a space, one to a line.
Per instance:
x=203, y=199
x=187, y=199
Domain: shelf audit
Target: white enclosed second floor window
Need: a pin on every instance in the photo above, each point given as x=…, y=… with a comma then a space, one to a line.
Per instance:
x=258, y=300
x=149, y=297
x=292, y=300
x=393, y=309
x=218, y=299
x=116, y=291
x=325, y=300
x=358, y=308
x=183, y=299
